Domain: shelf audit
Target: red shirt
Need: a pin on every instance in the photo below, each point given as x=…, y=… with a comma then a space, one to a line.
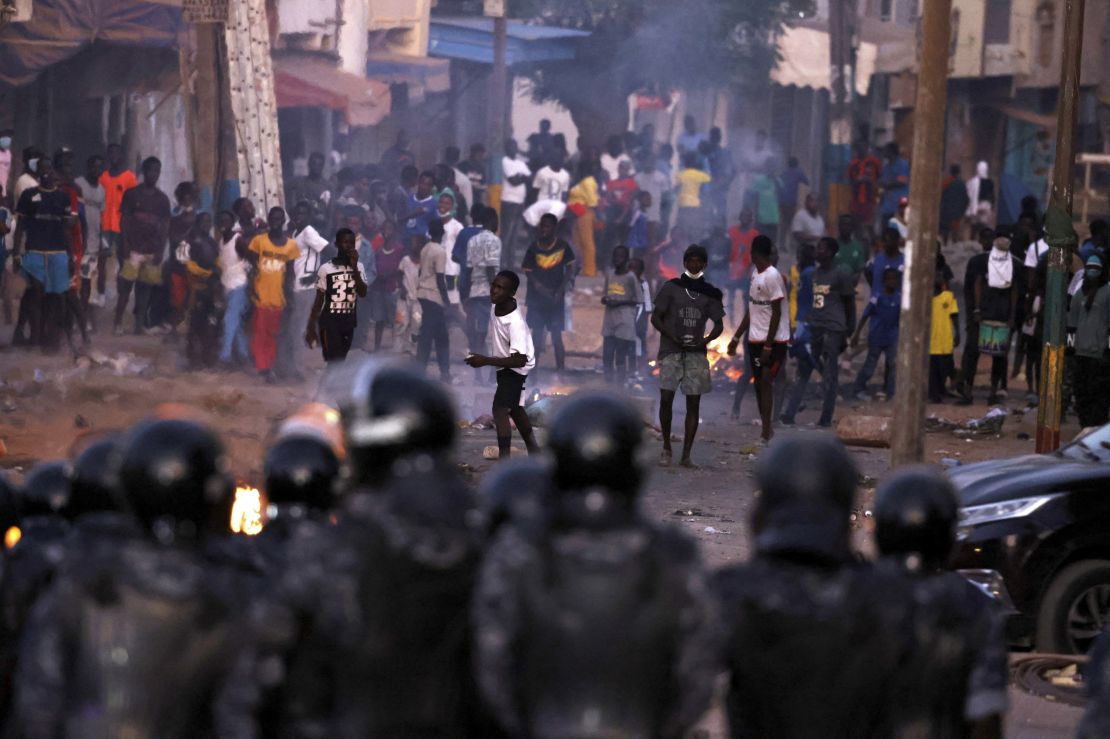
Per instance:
x=740, y=259
x=867, y=169
x=621, y=191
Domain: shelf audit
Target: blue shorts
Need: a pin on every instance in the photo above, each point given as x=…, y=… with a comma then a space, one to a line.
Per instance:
x=49, y=268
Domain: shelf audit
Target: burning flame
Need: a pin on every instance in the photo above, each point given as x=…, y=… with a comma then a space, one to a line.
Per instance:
x=246, y=513
x=12, y=537
x=720, y=362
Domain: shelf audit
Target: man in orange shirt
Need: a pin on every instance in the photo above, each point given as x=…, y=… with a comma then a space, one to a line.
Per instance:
x=740, y=258
x=863, y=175
x=116, y=180
x=272, y=254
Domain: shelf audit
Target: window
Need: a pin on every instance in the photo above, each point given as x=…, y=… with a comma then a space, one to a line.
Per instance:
x=996, y=24
x=886, y=9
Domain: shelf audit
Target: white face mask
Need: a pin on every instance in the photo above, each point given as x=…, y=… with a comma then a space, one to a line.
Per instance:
x=445, y=214
x=33, y=165
x=693, y=276
x=5, y=142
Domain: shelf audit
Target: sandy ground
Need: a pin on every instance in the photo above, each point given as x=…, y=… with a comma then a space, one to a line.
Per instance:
x=46, y=402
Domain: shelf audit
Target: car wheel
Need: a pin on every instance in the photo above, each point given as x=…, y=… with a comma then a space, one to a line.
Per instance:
x=1075, y=607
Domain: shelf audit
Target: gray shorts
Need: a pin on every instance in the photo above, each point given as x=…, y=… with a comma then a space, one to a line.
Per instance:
x=383, y=306
x=688, y=372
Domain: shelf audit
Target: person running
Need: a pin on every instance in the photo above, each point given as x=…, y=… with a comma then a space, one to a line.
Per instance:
x=767, y=327
x=828, y=321
x=514, y=357
x=339, y=284
x=683, y=307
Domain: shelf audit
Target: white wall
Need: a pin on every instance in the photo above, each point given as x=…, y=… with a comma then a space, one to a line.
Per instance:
x=526, y=116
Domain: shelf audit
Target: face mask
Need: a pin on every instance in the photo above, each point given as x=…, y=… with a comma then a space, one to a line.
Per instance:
x=694, y=276
x=5, y=142
x=445, y=214
x=33, y=165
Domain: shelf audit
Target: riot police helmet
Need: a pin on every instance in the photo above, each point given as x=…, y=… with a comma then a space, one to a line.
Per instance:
x=301, y=472
x=174, y=476
x=94, y=483
x=395, y=411
x=46, y=490
x=806, y=488
x=915, y=518
x=595, y=441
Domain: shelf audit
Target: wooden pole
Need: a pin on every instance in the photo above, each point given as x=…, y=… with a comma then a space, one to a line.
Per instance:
x=498, y=88
x=1060, y=234
x=908, y=444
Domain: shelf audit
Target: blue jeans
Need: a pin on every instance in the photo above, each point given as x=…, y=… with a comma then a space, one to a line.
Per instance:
x=871, y=363
x=235, y=330
x=826, y=352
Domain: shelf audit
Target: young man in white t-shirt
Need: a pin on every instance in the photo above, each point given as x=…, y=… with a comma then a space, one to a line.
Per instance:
x=515, y=177
x=514, y=356
x=306, y=270
x=767, y=329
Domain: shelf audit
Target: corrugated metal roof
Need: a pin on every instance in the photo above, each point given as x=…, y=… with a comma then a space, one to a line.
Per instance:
x=471, y=39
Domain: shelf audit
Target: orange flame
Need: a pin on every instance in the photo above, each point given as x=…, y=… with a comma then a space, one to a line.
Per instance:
x=246, y=512
x=12, y=537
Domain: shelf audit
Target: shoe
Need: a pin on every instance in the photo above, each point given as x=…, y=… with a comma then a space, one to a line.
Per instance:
x=97, y=301
x=1002, y=394
x=863, y=396
x=880, y=396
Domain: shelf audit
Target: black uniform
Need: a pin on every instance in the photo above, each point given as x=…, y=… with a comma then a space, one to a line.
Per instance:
x=142, y=639
x=815, y=638
x=381, y=598
x=594, y=622
x=955, y=676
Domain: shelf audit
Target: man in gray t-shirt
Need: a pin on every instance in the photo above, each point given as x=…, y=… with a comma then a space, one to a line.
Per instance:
x=827, y=326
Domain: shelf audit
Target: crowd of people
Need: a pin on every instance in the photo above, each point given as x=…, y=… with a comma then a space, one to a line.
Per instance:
x=381, y=595
x=411, y=252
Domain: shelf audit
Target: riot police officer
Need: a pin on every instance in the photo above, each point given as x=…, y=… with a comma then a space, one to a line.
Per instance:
x=814, y=637
x=597, y=622
x=31, y=563
x=954, y=682
x=514, y=492
x=383, y=597
x=143, y=642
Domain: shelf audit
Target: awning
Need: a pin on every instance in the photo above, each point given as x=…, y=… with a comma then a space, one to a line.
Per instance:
x=471, y=39
x=804, y=60
x=59, y=29
x=313, y=82
x=434, y=75
x=1037, y=119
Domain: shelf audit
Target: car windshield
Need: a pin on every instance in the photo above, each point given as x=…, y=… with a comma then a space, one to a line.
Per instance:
x=1094, y=447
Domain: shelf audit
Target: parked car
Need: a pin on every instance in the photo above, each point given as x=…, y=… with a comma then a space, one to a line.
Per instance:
x=1035, y=532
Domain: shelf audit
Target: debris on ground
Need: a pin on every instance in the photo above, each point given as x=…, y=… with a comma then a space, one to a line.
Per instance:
x=872, y=431
x=711, y=530
x=482, y=422
x=492, y=452
x=123, y=364
x=988, y=425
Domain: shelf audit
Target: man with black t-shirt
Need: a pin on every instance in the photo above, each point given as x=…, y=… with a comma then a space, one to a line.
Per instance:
x=833, y=312
x=548, y=265
x=42, y=238
x=339, y=284
x=683, y=306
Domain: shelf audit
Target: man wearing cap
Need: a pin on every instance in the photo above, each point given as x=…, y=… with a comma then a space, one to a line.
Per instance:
x=683, y=306
x=1089, y=336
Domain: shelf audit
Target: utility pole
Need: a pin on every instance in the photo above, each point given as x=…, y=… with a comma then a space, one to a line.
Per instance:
x=908, y=444
x=841, y=35
x=498, y=91
x=1060, y=234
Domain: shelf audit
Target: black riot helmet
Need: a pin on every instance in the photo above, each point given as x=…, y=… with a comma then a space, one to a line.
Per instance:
x=915, y=518
x=94, y=482
x=394, y=411
x=806, y=485
x=595, y=441
x=301, y=472
x=514, y=492
x=46, y=490
x=174, y=477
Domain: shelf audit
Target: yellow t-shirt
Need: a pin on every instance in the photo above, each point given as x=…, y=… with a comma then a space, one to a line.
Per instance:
x=941, y=338
x=585, y=192
x=689, y=187
x=269, y=278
